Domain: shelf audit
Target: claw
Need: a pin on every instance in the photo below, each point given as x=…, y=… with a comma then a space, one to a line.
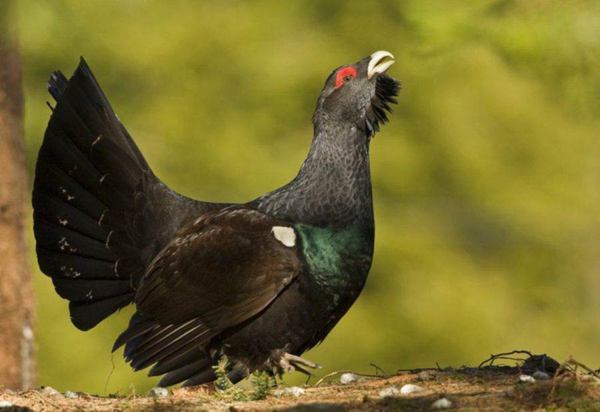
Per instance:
x=297, y=360
x=290, y=363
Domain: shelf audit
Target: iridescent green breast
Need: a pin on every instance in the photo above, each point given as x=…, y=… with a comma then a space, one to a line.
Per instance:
x=337, y=259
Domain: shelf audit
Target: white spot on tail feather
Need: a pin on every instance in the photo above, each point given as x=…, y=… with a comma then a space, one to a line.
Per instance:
x=95, y=142
x=63, y=244
x=285, y=235
x=67, y=194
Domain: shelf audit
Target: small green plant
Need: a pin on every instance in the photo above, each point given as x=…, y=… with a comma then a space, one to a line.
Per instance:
x=222, y=383
x=225, y=388
x=262, y=383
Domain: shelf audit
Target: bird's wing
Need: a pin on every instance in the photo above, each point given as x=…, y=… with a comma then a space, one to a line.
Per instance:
x=222, y=268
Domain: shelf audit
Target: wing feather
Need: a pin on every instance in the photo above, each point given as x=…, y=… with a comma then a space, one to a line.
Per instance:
x=222, y=269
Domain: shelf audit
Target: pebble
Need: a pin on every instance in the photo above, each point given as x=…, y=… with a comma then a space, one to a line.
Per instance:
x=410, y=388
x=292, y=390
x=442, y=403
x=49, y=391
x=526, y=379
x=71, y=395
x=158, y=392
x=389, y=391
x=5, y=404
x=347, y=378
x=542, y=376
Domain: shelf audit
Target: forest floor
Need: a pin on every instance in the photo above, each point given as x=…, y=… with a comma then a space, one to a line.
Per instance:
x=533, y=382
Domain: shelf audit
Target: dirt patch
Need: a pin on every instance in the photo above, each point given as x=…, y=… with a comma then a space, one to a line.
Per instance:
x=570, y=386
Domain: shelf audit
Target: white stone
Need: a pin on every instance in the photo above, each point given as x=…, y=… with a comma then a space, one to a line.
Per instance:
x=50, y=391
x=158, y=392
x=5, y=404
x=542, y=376
x=292, y=390
x=389, y=391
x=285, y=235
x=295, y=390
x=442, y=403
x=71, y=395
x=347, y=378
x=526, y=379
x=410, y=388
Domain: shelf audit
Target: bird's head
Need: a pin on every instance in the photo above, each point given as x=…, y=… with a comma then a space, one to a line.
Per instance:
x=360, y=93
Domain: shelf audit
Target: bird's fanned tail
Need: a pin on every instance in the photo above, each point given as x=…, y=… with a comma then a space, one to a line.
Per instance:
x=91, y=202
x=100, y=216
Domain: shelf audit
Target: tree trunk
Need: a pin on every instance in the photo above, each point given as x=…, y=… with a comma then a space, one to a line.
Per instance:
x=16, y=293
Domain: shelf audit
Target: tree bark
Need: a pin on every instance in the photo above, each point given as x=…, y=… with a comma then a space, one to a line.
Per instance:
x=16, y=292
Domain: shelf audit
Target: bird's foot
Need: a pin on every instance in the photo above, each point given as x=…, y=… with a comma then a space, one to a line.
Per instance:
x=286, y=362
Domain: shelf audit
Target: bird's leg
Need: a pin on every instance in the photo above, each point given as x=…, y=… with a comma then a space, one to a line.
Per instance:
x=286, y=362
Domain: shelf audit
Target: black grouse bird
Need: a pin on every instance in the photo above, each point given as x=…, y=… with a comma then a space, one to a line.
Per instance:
x=255, y=284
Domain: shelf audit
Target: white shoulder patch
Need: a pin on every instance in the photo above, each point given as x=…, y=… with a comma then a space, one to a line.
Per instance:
x=285, y=235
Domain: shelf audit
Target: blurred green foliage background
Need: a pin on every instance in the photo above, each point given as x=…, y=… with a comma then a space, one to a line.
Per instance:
x=486, y=180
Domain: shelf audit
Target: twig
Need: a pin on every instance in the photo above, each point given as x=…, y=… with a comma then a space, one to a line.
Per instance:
x=112, y=360
x=589, y=370
x=567, y=366
x=417, y=370
x=494, y=357
x=340, y=372
x=378, y=369
x=559, y=370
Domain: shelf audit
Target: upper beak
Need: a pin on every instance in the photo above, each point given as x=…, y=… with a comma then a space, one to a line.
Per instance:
x=380, y=61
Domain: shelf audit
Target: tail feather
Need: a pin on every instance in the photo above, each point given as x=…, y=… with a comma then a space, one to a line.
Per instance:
x=92, y=90
x=62, y=153
x=88, y=169
x=60, y=213
x=57, y=84
x=73, y=266
x=59, y=239
x=89, y=290
x=102, y=152
x=100, y=216
x=53, y=181
x=86, y=315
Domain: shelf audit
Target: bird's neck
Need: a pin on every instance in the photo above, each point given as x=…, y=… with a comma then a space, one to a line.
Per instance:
x=333, y=186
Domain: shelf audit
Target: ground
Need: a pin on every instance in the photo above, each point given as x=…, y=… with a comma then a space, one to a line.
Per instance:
x=490, y=386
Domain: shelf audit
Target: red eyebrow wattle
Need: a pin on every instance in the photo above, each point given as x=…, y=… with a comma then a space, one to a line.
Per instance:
x=343, y=72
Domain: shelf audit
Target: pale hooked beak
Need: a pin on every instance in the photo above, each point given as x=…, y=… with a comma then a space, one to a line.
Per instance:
x=380, y=61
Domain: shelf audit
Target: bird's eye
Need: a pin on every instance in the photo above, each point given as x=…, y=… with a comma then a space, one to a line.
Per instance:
x=344, y=75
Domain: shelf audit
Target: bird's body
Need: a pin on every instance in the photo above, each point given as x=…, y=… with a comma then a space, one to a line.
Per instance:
x=259, y=283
